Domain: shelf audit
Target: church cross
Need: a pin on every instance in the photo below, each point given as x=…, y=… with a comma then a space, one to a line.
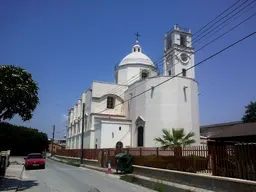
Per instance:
x=137, y=36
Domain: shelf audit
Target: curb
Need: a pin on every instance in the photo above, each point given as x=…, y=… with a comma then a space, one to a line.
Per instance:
x=100, y=169
x=20, y=178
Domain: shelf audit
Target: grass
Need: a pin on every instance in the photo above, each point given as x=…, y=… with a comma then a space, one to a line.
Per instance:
x=132, y=179
x=156, y=186
x=73, y=163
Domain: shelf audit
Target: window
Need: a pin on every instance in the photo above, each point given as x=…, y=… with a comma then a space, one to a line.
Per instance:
x=185, y=93
x=96, y=146
x=134, y=50
x=113, y=135
x=36, y=156
x=170, y=72
x=169, y=43
x=183, y=40
x=144, y=74
x=110, y=102
x=138, y=49
x=120, y=128
x=184, y=72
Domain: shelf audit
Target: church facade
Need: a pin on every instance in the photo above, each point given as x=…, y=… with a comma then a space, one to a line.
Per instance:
x=141, y=102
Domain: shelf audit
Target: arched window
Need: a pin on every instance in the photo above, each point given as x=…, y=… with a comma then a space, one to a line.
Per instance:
x=140, y=136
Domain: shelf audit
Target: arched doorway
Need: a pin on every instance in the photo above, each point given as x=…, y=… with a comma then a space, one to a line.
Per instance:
x=140, y=136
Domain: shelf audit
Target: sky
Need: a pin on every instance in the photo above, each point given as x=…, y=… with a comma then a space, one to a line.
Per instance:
x=67, y=44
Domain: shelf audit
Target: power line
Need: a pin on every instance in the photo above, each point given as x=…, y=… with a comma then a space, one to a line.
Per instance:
x=215, y=54
x=60, y=131
x=217, y=17
x=234, y=19
x=200, y=47
x=230, y=17
x=195, y=32
x=161, y=59
x=213, y=40
x=196, y=51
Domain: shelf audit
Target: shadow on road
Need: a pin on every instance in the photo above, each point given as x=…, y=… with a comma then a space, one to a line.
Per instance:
x=7, y=184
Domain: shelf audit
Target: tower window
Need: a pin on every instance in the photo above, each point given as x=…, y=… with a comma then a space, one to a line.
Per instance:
x=110, y=102
x=183, y=40
x=144, y=74
x=169, y=43
x=138, y=49
x=134, y=50
x=170, y=72
x=120, y=128
x=184, y=72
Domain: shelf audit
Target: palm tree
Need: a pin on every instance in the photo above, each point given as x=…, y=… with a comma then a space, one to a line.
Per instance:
x=175, y=138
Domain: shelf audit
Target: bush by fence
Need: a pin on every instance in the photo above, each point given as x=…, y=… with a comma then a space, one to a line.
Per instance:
x=179, y=163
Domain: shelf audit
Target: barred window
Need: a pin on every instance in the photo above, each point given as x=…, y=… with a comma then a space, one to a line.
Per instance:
x=110, y=102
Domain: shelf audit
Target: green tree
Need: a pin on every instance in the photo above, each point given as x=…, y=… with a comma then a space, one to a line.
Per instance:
x=22, y=140
x=175, y=138
x=250, y=113
x=18, y=93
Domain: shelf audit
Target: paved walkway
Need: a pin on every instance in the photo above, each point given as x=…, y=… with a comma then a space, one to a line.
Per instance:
x=12, y=178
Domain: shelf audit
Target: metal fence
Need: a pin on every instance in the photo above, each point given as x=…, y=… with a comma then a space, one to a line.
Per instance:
x=237, y=161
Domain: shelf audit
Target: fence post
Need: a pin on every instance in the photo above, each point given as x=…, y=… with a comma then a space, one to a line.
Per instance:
x=214, y=166
x=108, y=155
x=128, y=150
x=157, y=152
x=102, y=157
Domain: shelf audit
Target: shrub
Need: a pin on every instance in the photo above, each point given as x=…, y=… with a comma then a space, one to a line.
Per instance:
x=180, y=163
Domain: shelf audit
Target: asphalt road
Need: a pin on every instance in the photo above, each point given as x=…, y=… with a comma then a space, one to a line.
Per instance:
x=58, y=177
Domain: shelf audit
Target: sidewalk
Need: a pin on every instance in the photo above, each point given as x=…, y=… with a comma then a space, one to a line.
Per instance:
x=146, y=181
x=11, y=181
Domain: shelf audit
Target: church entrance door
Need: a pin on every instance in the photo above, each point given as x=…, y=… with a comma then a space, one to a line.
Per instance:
x=140, y=136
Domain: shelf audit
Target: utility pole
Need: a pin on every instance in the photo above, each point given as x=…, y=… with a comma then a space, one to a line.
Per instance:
x=53, y=134
x=82, y=135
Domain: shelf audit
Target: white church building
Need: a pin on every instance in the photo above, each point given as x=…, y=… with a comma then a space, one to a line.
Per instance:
x=141, y=102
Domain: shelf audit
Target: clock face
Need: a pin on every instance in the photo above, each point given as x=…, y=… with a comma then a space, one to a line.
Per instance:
x=184, y=57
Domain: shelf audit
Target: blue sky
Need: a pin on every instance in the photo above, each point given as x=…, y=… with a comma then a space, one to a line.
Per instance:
x=67, y=44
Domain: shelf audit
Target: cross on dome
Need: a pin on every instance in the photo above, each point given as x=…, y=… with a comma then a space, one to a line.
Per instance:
x=137, y=47
x=137, y=36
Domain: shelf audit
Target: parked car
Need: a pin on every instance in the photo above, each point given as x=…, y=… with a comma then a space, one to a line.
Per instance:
x=34, y=160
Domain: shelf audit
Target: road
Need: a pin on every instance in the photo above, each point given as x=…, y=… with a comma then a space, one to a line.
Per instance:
x=58, y=177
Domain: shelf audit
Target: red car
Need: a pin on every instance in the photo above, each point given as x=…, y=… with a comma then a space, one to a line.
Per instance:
x=34, y=160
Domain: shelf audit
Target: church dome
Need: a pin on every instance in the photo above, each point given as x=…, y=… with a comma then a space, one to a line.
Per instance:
x=136, y=57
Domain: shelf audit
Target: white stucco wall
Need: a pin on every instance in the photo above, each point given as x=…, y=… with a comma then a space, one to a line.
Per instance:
x=108, y=134
x=100, y=92
x=128, y=74
x=74, y=130
x=97, y=134
x=87, y=140
x=164, y=107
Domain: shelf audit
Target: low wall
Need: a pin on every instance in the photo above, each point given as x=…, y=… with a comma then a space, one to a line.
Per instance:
x=220, y=184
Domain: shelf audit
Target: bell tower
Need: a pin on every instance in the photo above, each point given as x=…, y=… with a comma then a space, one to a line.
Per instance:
x=178, y=53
